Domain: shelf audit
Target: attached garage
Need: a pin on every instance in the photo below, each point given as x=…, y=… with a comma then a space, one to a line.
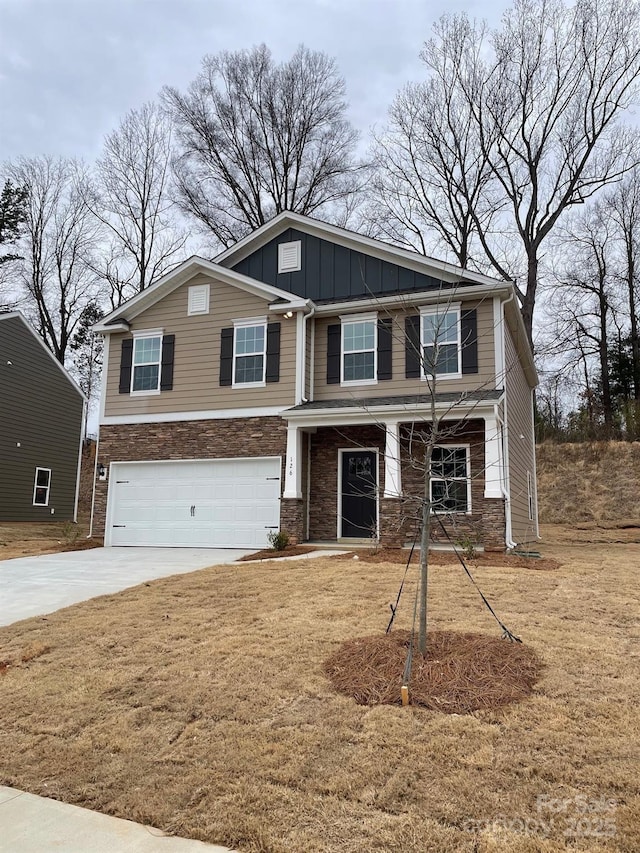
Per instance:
x=212, y=503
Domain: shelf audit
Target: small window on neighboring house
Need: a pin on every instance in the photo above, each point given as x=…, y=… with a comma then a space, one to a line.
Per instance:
x=198, y=299
x=440, y=339
x=450, y=479
x=41, y=487
x=249, y=351
x=359, y=349
x=530, y=494
x=289, y=257
x=147, y=354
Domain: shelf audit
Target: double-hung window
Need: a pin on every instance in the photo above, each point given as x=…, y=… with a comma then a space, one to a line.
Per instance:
x=41, y=487
x=440, y=340
x=147, y=356
x=249, y=352
x=450, y=480
x=359, y=349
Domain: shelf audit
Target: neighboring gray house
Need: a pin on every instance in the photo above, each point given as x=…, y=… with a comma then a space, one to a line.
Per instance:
x=41, y=428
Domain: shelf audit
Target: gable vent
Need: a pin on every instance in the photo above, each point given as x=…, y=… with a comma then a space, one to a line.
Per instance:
x=198, y=299
x=289, y=256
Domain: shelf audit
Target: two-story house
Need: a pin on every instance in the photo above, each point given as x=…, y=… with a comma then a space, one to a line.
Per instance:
x=42, y=413
x=290, y=383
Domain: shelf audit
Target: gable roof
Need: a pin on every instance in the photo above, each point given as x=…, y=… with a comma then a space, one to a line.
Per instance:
x=351, y=240
x=18, y=315
x=178, y=276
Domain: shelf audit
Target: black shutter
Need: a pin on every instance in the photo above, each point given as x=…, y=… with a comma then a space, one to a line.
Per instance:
x=166, y=373
x=126, y=359
x=412, y=347
x=469, y=340
x=333, y=354
x=273, y=352
x=226, y=356
x=384, y=349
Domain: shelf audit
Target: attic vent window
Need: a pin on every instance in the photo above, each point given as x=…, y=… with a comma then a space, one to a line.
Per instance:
x=198, y=299
x=289, y=255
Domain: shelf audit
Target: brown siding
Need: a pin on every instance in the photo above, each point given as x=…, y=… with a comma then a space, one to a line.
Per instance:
x=197, y=355
x=521, y=447
x=484, y=379
x=40, y=426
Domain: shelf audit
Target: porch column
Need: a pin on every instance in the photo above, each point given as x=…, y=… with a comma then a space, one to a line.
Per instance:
x=293, y=466
x=392, y=474
x=492, y=457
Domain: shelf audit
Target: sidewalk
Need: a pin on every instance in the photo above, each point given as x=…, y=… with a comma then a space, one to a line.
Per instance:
x=33, y=824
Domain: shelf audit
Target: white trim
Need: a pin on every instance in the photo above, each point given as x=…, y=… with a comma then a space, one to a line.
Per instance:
x=392, y=461
x=293, y=264
x=300, y=353
x=288, y=219
x=441, y=311
x=198, y=292
x=250, y=323
x=414, y=412
x=492, y=467
x=350, y=320
x=111, y=491
x=341, y=452
x=103, y=377
x=82, y=426
x=180, y=275
x=293, y=467
x=412, y=300
x=507, y=475
x=10, y=315
x=535, y=465
x=36, y=486
x=530, y=503
x=209, y=415
x=498, y=341
x=144, y=334
x=93, y=490
x=467, y=449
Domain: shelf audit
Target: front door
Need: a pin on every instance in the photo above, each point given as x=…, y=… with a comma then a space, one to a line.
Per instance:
x=359, y=488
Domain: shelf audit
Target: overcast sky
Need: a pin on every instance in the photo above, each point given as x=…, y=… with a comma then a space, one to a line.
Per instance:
x=70, y=69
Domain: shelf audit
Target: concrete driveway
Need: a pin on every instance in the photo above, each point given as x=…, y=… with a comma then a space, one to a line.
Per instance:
x=32, y=586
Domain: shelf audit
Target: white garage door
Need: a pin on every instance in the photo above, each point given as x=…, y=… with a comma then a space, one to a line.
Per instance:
x=222, y=503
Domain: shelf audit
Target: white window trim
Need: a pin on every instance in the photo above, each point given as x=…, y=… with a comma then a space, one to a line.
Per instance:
x=371, y=316
x=435, y=311
x=146, y=333
x=294, y=266
x=36, y=486
x=467, y=449
x=244, y=323
x=195, y=289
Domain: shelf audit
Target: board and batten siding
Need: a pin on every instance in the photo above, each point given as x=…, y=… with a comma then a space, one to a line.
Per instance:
x=196, y=373
x=40, y=427
x=520, y=438
x=484, y=379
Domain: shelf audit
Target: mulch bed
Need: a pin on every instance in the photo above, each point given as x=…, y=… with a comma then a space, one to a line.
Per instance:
x=462, y=672
x=446, y=558
x=272, y=554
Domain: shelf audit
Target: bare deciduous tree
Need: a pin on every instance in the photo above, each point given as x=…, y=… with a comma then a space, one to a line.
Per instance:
x=258, y=138
x=130, y=197
x=432, y=176
x=57, y=245
x=546, y=93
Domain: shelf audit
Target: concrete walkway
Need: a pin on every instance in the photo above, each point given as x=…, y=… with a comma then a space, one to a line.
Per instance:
x=32, y=586
x=30, y=824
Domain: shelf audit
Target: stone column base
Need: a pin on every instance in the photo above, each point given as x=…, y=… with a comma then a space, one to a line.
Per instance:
x=391, y=532
x=292, y=519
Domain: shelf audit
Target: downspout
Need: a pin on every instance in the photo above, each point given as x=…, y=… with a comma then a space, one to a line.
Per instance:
x=305, y=319
x=85, y=406
x=508, y=528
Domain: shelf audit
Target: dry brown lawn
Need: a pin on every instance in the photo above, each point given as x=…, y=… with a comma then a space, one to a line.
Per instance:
x=28, y=539
x=198, y=704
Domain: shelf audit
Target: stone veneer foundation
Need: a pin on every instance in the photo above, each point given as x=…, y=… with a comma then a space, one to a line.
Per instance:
x=246, y=437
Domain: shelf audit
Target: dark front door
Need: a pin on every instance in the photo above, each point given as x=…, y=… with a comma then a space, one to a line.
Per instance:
x=359, y=494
